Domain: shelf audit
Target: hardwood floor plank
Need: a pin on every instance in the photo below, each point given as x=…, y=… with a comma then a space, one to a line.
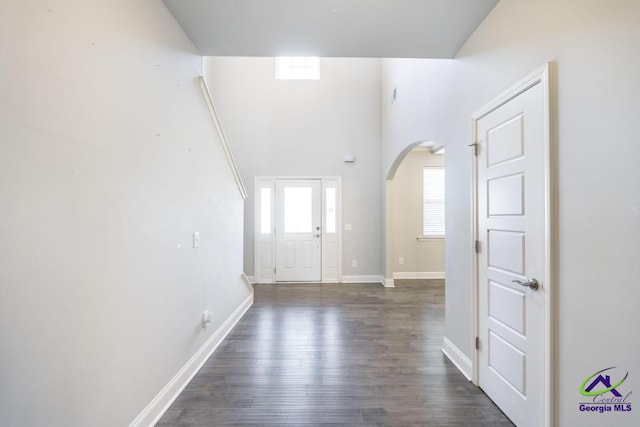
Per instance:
x=335, y=355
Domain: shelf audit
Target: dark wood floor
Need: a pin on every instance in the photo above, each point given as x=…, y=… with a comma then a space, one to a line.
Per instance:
x=330, y=354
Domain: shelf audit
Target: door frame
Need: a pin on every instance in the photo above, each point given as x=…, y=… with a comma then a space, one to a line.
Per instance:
x=331, y=261
x=541, y=76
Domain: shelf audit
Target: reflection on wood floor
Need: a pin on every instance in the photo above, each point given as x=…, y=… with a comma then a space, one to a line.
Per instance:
x=335, y=354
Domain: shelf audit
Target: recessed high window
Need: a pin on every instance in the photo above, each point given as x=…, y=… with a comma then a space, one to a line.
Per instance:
x=297, y=68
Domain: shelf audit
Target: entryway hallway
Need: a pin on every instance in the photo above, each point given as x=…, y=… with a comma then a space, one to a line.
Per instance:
x=340, y=354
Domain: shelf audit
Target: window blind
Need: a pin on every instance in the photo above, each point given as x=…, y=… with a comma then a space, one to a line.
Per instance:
x=433, y=201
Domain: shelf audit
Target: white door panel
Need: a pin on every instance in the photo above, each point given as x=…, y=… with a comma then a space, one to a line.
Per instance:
x=508, y=361
x=506, y=250
x=511, y=229
x=507, y=306
x=505, y=141
x=298, y=230
x=506, y=195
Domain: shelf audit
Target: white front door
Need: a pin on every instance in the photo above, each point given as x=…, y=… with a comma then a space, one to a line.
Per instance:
x=298, y=230
x=512, y=263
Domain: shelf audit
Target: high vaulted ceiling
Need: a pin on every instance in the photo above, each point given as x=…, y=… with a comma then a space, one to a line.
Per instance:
x=330, y=28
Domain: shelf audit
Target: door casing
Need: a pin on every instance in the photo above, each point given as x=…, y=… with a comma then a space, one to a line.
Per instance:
x=541, y=76
x=264, y=245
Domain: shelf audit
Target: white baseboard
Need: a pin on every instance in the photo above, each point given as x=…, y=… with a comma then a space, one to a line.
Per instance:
x=157, y=407
x=345, y=279
x=248, y=280
x=388, y=283
x=419, y=275
x=457, y=357
x=363, y=279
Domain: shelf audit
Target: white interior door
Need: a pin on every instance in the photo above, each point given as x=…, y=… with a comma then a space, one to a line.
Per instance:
x=512, y=232
x=298, y=230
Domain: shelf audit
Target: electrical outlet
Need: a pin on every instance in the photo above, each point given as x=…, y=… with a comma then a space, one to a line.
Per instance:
x=400, y=260
x=207, y=318
x=354, y=263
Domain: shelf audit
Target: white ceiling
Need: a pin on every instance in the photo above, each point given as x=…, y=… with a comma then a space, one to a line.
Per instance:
x=330, y=28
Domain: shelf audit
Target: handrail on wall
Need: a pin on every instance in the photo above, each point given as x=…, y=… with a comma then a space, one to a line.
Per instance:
x=223, y=139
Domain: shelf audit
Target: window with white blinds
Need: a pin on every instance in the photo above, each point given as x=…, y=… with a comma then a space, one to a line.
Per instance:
x=433, y=202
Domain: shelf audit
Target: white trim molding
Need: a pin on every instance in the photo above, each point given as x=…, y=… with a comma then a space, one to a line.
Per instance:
x=430, y=238
x=223, y=138
x=457, y=357
x=158, y=406
x=248, y=281
x=419, y=275
x=364, y=279
x=389, y=283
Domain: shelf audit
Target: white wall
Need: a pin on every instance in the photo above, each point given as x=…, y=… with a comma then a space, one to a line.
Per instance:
x=404, y=195
x=594, y=45
x=423, y=101
x=305, y=128
x=109, y=162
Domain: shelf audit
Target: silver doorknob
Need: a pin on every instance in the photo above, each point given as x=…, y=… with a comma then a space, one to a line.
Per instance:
x=317, y=234
x=531, y=283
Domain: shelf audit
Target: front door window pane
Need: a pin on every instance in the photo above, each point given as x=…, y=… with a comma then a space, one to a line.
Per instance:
x=297, y=210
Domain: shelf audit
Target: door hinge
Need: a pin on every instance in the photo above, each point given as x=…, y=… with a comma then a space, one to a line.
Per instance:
x=477, y=246
x=274, y=270
x=475, y=148
x=477, y=343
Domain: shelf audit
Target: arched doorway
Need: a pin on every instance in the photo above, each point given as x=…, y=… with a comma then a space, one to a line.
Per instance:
x=415, y=214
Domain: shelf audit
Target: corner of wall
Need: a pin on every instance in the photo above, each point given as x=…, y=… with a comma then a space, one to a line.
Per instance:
x=458, y=358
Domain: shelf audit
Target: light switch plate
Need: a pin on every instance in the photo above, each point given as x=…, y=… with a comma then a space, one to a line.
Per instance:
x=196, y=239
